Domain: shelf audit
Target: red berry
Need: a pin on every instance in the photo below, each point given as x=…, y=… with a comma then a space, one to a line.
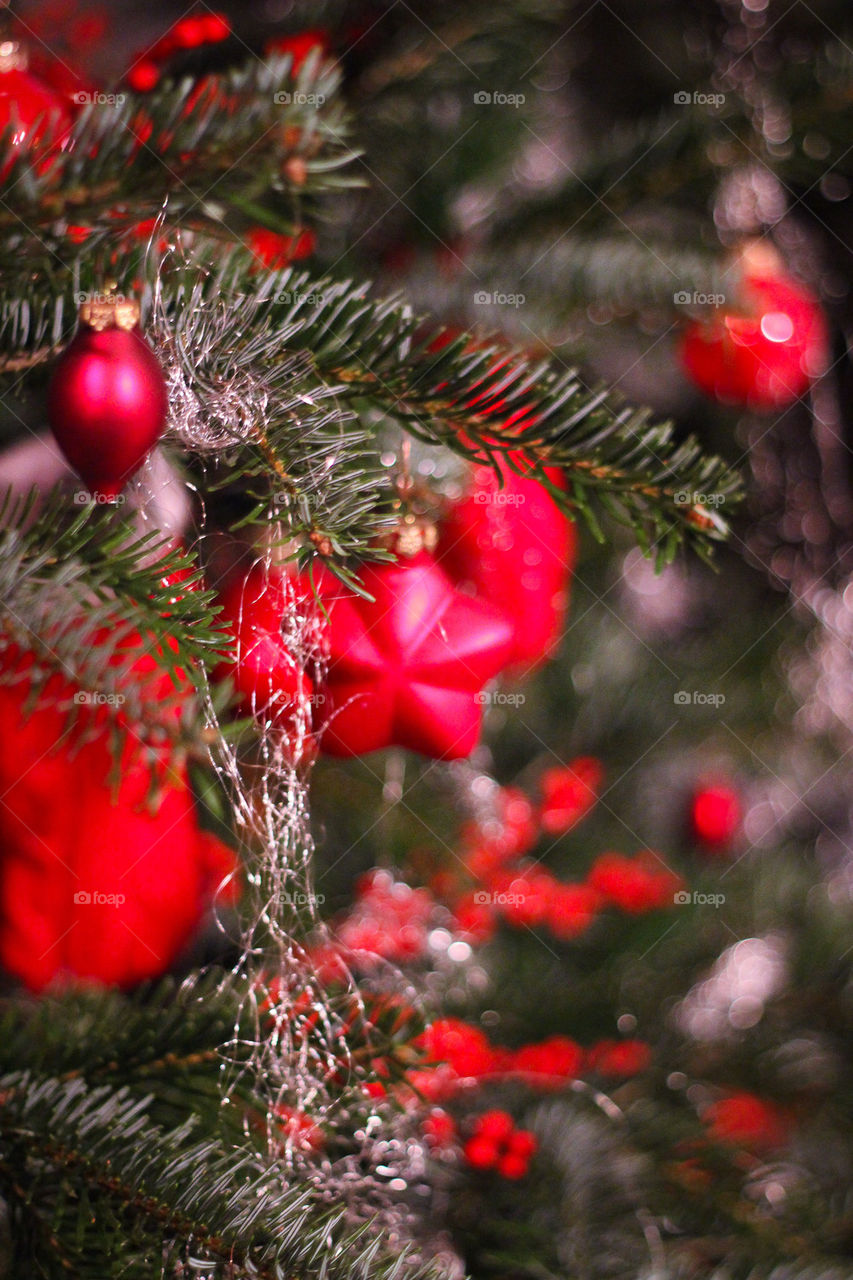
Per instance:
x=745, y=1120
x=522, y=1143
x=619, y=1057
x=715, y=814
x=568, y=794
x=512, y=1166
x=558, y=1057
x=143, y=76
x=439, y=1128
x=216, y=27
x=571, y=909
x=481, y=1153
x=496, y=1126
x=188, y=33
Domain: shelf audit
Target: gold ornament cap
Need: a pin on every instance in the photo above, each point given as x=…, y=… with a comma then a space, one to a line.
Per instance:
x=109, y=311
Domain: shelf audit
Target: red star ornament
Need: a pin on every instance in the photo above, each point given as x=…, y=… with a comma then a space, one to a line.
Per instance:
x=407, y=669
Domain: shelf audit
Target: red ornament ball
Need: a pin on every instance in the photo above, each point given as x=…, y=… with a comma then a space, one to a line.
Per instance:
x=763, y=356
x=96, y=883
x=107, y=402
x=34, y=118
x=265, y=674
x=407, y=667
x=715, y=816
x=511, y=545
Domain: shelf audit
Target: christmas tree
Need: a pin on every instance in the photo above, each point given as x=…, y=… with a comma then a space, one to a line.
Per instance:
x=426, y=526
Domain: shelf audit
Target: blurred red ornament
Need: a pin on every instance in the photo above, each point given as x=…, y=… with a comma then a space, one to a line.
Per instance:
x=107, y=402
x=619, y=1057
x=715, y=816
x=34, y=119
x=634, y=885
x=764, y=356
x=96, y=882
x=511, y=545
x=406, y=668
x=276, y=251
x=265, y=674
x=568, y=793
x=745, y=1120
x=56, y=74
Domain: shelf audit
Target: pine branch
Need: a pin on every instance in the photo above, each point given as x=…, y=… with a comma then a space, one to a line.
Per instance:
x=86, y=597
x=89, y=1181
x=372, y=355
x=202, y=153
x=335, y=366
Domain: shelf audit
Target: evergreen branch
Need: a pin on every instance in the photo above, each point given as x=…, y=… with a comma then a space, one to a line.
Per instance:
x=90, y=1180
x=478, y=401
x=619, y=273
x=194, y=151
x=332, y=367
x=86, y=597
